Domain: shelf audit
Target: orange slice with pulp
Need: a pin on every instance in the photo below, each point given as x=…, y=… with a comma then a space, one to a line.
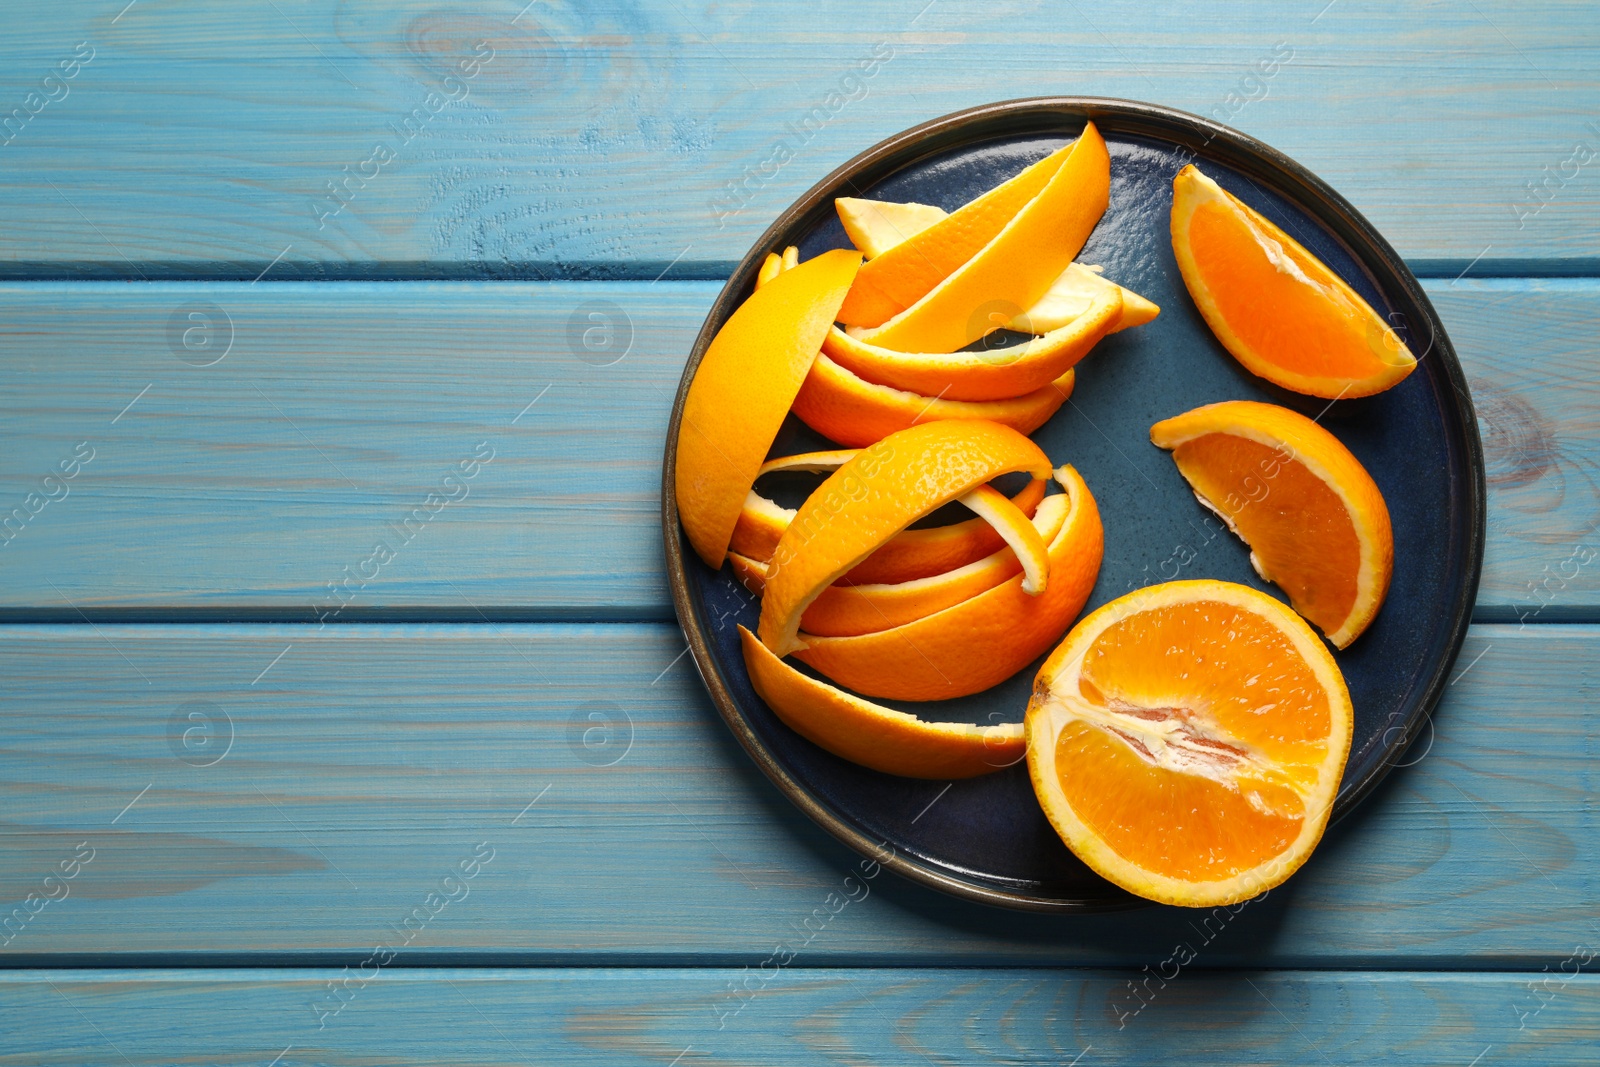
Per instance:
x=1274, y=305
x=1314, y=519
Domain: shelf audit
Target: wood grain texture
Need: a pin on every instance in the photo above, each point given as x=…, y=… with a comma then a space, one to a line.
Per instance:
x=242, y=489
x=602, y=139
x=278, y=794
x=798, y=1016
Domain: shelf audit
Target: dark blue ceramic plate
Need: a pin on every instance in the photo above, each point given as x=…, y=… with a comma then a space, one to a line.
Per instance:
x=986, y=838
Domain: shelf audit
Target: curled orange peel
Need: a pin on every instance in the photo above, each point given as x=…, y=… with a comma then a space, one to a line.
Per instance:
x=892, y=282
x=909, y=555
x=876, y=226
x=993, y=375
x=876, y=494
x=1015, y=268
x=848, y=610
x=844, y=407
x=744, y=386
x=984, y=639
x=874, y=736
x=1018, y=531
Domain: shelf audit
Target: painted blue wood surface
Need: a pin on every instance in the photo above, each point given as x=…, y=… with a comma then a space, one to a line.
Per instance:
x=272, y=792
x=616, y=138
x=796, y=1015
x=362, y=762
x=242, y=489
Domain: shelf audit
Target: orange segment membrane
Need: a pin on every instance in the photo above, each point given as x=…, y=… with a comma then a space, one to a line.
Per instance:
x=1185, y=826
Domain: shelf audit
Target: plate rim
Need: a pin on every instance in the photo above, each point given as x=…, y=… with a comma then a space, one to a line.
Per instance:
x=1239, y=150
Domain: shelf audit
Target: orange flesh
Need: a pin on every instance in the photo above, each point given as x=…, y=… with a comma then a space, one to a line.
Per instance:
x=1243, y=710
x=1293, y=521
x=1282, y=317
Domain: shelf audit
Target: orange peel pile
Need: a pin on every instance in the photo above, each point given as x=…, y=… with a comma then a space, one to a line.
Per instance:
x=868, y=354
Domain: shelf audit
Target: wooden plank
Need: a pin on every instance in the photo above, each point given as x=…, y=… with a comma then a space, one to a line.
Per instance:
x=336, y=413
x=242, y=489
x=276, y=793
x=1530, y=365
x=796, y=1016
x=599, y=139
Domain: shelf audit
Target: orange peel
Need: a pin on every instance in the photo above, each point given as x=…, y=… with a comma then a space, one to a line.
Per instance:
x=1014, y=269
x=998, y=374
x=744, y=386
x=985, y=639
x=909, y=555
x=876, y=494
x=849, y=610
x=892, y=282
x=844, y=407
x=875, y=226
x=874, y=736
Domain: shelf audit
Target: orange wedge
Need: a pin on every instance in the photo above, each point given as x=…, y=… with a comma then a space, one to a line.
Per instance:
x=910, y=554
x=842, y=406
x=993, y=375
x=874, y=736
x=893, y=281
x=1275, y=306
x=985, y=639
x=1015, y=269
x=744, y=386
x=1187, y=741
x=878, y=493
x=1314, y=519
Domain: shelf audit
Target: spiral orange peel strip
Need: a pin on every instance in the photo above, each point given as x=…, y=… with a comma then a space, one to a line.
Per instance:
x=985, y=639
x=876, y=494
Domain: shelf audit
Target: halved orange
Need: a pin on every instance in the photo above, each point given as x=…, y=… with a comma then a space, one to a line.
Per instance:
x=1187, y=741
x=1274, y=305
x=744, y=386
x=1314, y=519
x=987, y=638
x=872, y=735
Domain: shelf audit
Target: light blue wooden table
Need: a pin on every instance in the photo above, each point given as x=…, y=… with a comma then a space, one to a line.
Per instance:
x=276, y=274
